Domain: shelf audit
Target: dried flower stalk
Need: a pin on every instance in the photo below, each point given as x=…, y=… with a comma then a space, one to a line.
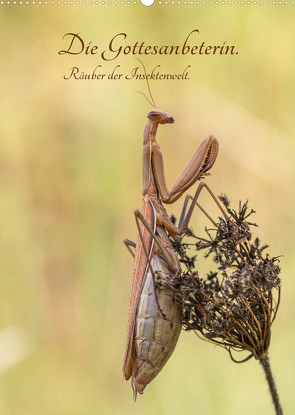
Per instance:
x=235, y=306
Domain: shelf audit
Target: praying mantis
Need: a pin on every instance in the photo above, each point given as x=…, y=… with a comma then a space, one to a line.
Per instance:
x=155, y=316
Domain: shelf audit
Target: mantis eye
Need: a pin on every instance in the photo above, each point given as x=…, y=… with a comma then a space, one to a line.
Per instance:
x=153, y=114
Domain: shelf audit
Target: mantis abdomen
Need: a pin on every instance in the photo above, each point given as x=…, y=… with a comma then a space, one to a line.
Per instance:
x=157, y=327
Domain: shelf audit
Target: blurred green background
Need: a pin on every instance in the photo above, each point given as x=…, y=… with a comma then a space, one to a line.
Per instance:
x=70, y=160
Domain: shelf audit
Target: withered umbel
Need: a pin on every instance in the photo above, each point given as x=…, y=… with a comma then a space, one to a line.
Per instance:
x=235, y=305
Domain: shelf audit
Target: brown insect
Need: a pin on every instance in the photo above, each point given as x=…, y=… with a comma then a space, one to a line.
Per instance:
x=155, y=317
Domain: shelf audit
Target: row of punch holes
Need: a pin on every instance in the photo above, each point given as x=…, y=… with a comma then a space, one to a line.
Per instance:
x=147, y=2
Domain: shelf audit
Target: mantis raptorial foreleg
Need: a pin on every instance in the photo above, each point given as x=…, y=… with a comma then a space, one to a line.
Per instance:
x=199, y=164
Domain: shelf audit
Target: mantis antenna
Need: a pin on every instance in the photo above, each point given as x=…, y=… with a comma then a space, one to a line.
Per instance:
x=146, y=98
x=148, y=85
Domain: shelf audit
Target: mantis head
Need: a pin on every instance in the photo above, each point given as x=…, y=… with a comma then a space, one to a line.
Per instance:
x=160, y=117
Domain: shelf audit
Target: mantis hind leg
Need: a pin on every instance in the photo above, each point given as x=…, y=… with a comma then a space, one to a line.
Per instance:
x=166, y=255
x=140, y=218
x=130, y=244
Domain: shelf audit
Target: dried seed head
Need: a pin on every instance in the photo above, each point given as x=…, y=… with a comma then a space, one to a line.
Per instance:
x=236, y=307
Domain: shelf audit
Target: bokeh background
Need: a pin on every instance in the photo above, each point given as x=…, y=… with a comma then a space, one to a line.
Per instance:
x=70, y=160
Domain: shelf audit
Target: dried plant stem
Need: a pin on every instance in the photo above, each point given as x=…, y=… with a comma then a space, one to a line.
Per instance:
x=264, y=360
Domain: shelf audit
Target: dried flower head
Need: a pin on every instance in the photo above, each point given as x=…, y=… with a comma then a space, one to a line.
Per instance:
x=236, y=308
x=236, y=305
